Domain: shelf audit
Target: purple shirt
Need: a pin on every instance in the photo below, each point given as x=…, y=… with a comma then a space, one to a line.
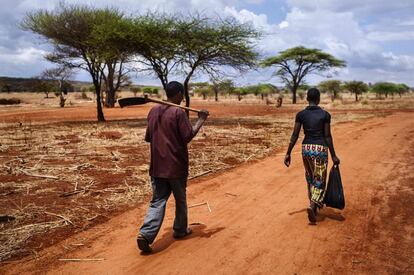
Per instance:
x=169, y=130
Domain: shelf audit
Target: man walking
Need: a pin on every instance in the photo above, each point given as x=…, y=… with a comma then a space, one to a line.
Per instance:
x=169, y=130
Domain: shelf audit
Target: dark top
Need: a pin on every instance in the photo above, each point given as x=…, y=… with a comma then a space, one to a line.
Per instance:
x=313, y=119
x=169, y=130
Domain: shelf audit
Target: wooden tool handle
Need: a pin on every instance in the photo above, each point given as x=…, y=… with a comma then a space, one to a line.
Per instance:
x=172, y=104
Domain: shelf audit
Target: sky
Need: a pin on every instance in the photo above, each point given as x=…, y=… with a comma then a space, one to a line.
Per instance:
x=374, y=37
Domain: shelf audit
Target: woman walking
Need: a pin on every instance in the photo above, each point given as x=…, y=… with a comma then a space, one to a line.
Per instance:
x=317, y=128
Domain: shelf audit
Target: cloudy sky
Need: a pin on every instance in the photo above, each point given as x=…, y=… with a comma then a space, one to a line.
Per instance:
x=374, y=37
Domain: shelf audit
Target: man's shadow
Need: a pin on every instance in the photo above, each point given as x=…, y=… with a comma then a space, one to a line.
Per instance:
x=167, y=239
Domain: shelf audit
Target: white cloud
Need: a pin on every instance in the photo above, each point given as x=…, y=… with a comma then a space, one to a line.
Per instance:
x=391, y=36
x=337, y=32
x=351, y=30
x=284, y=24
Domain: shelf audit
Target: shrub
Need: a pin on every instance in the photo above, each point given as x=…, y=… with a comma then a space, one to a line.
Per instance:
x=301, y=94
x=11, y=101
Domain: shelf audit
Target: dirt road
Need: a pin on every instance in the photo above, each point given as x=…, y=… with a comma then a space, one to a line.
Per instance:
x=258, y=223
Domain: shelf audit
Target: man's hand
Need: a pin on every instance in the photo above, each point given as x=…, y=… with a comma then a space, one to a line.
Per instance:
x=336, y=160
x=203, y=114
x=287, y=160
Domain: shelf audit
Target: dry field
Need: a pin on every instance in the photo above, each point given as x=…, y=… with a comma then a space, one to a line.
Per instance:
x=62, y=173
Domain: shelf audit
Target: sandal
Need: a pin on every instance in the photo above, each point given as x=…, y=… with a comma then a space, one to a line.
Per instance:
x=187, y=232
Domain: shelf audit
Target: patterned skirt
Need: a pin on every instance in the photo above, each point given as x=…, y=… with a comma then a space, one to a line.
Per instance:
x=315, y=160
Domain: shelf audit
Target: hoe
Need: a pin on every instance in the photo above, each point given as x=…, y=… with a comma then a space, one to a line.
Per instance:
x=143, y=100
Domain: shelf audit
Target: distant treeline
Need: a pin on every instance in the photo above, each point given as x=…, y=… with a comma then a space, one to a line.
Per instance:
x=16, y=84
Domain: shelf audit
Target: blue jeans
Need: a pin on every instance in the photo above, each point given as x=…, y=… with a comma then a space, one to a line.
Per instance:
x=161, y=191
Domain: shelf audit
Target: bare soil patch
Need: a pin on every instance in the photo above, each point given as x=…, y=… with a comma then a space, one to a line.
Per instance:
x=61, y=173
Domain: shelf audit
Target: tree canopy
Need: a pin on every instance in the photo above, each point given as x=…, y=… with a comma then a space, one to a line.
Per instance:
x=84, y=38
x=294, y=64
x=389, y=88
x=356, y=87
x=332, y=87
x=188, y=45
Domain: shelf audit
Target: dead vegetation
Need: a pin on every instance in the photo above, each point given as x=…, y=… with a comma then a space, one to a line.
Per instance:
x=60, y=179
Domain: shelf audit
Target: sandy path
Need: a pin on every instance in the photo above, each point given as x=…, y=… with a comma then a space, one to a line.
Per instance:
x=264, y=228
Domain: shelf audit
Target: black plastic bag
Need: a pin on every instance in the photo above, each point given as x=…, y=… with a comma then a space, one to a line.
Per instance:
x=334, y=196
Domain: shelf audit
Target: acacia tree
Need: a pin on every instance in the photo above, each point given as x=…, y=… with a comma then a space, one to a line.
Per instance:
x=43, y=86
x=294, y=64
x=60, y=75
x=75, y=31
x=402, y=89
x=210, y=44
x=186, y=46
x=356, y=87
x=386, y=88
x=333, y=87
x=155, y=42
x=116, y=54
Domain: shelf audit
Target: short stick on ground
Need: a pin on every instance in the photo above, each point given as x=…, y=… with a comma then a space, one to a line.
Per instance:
x=197, y=204
x=82, y=260
x=60, y=216
x=208, y=206
x=38, y=176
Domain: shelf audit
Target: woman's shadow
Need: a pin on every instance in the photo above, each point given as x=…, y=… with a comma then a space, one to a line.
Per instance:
x=330, y=214
x=324, y=213
x=167, y=239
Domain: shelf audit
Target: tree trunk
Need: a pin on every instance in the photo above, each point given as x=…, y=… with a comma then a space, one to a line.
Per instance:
x=62, y=100
x=186, y=96
x=110, y=98
x=100, y=113
x=294, y=89
x=216, y=93
x=356, y=96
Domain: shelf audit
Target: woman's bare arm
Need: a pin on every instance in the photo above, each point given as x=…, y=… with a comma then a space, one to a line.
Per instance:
x=329, y=142
x=293, y=139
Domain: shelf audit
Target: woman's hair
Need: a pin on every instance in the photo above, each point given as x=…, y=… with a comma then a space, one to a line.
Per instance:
x=313, y=95
x=173, y=88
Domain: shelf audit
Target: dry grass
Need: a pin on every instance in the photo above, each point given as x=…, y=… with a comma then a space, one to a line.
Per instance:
x=59, y=179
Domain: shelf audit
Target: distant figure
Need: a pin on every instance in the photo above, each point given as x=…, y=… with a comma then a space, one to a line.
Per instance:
x=317, y=127
x=169, y=130
x=279, y=101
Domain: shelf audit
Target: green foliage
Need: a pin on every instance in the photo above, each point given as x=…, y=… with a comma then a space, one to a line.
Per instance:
x=135, y=90
x=205, y=91
x=227, y=86
x=102, y=41
x=86, y=38
x=332, y=87
x=43, y=86
x=304, y=87
x=241, y=91
x=385, y=88
x=356, y=87
x=294, y=64
x=193, y=44
x=150, y=90
x=402, y=89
